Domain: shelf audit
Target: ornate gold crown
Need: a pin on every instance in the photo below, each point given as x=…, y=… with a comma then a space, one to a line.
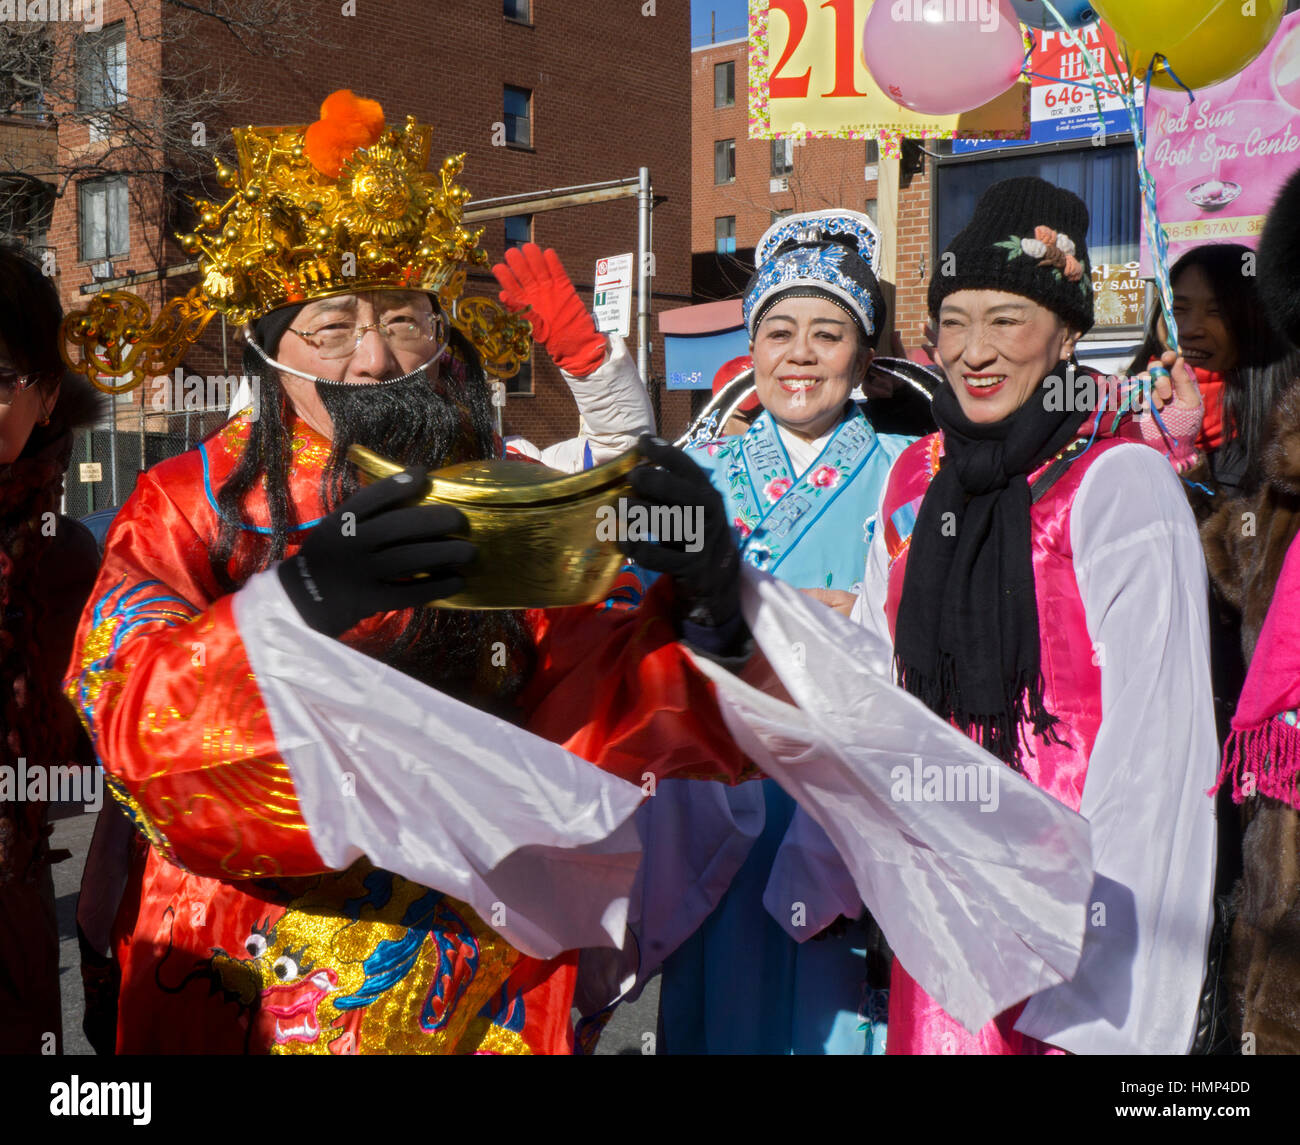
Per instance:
x=340, y=206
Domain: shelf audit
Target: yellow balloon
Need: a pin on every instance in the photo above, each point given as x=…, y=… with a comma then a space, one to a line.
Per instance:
x=1205, y=41
x=1145, y=24
x=1216, y=49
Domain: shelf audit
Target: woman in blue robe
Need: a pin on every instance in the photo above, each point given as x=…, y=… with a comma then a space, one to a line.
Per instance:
x=801, y=487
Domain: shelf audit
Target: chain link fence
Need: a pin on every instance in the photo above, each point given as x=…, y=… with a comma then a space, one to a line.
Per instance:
x=107, y=460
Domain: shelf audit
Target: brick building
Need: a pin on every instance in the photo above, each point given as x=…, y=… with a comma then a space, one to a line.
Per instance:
x=515, y=84
x=742, y=185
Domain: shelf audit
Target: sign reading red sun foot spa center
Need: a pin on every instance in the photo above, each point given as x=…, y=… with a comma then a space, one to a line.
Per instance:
x=1220, y=160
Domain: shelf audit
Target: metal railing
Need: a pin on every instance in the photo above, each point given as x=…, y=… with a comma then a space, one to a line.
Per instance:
x=720, y=36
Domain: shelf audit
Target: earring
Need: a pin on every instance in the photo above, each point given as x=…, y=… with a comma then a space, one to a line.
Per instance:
x=1069, y=376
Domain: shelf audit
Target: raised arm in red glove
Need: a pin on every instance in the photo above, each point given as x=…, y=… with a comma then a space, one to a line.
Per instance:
x=535, y=281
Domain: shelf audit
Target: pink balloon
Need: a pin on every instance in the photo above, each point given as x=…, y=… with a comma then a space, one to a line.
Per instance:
x=943, y=57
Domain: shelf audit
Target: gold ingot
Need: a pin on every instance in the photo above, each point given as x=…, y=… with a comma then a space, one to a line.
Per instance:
x=538, y=532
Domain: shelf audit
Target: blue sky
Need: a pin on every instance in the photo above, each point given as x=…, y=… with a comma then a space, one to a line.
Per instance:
x=732, y=14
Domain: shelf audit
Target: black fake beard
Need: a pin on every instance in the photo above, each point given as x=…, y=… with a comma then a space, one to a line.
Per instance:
x=419, y=422
x=412, y=422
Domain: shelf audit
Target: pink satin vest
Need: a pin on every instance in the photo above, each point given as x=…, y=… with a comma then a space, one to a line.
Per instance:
x=1072, y=692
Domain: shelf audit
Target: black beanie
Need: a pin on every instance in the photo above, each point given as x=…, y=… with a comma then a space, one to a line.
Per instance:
x=270, y=328
x=1003, y=248
x=1279, y=262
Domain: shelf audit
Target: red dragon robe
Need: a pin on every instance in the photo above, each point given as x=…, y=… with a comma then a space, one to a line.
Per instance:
x=234, y=935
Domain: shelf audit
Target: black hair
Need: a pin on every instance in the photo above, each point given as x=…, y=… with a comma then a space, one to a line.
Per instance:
x=30, y=314
x=1266, y=362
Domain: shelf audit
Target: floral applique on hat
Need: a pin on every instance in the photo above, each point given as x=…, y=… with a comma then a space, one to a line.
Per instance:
x=1052, y=249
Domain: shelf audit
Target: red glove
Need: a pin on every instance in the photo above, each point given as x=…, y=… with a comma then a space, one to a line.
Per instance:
x=534, y=280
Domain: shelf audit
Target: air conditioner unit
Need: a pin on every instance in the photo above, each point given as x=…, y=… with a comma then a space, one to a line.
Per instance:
x=779, y=183
x=101, y=271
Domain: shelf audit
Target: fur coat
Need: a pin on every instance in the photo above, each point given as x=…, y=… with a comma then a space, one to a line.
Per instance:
x=1246, y=542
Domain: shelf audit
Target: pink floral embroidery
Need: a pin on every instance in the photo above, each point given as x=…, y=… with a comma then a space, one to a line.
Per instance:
x=712, y=448
x=741, y=527
x=825, y=476
x=777, y=488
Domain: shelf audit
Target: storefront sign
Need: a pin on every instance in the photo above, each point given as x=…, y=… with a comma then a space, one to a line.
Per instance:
x=1220, y=160
x=1120, y=294
x=1059, y=108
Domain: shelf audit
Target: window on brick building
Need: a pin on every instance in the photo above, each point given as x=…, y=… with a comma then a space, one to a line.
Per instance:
x=25, y=79
x=1103, y=177
x=101, y=68
x=724, y=84
x=102, y=218
x=518, y=116
x=25, y=209
x=522, y=382
x=518, y=10
x=872, y=169
x=519, y=230
x=724, y=234
x=724, y=161
x=782, y=157
x=781, y=214
x=873, y=207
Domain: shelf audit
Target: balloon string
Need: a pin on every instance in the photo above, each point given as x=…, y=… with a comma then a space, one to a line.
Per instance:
x=1164, y=60
x=1157, y=239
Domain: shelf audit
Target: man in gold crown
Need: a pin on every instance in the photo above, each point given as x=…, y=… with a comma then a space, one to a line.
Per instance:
x=345, y=853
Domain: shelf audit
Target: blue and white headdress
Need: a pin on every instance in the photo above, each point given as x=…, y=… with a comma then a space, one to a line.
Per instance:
x=832, y=254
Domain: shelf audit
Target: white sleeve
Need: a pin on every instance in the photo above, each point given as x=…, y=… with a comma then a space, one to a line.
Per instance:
x=870, y=609
x=1141, y=573
x=615, y=410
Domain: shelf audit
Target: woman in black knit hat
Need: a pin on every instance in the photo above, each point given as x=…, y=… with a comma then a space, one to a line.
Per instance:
x=1041, y=581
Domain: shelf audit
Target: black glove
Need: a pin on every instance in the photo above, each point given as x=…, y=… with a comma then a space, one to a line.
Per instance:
x=360, y=559
x=708, y=580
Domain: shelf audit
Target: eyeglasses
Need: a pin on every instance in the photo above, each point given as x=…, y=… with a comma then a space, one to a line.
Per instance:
x=341, y=339
x=13, y=383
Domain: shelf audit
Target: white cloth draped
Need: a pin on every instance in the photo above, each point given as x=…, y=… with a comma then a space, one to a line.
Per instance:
x=984, y=906
x=537, y=841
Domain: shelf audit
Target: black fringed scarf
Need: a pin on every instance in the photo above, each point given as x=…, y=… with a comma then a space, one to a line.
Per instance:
x=966, y=641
